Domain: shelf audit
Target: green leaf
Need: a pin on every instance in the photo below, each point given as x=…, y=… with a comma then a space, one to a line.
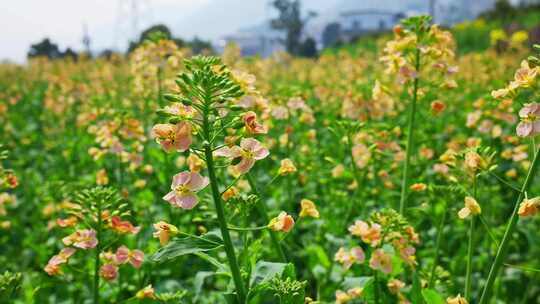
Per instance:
x=188, y=245
x=353, y=282
x=223, y=268
x=432, y=297
x=320, y=254
x=265, y=271
x=416, y=291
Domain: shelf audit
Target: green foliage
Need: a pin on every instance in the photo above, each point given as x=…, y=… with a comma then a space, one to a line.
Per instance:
x=188, y=245
x=432, y=297
x=271, y=282
x=10, y=284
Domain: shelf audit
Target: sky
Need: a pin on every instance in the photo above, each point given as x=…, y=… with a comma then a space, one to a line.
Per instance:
x=110, y=23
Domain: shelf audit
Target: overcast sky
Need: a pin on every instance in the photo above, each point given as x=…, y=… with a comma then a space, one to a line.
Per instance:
x=111, y=24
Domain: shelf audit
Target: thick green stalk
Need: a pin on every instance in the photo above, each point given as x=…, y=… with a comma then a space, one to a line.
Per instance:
x=468, y=276
x=98, y=251
x=510, y=228
x=229, y=248
x=437, y=248
x=410, y=130
x=376, y=287
x=263, y=212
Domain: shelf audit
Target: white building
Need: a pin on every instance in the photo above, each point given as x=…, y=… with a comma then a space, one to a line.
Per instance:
x=258, y=40
x=358, y=22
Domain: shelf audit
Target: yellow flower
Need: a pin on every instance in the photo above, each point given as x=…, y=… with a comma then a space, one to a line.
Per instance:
x=146, y=293
x=342, y=297
x=519, y=38
x=457, y=300
x=449, y=157
x=230, y=193
x=471, y=207
x=102, y=178
x=164, y=231
x=529, y=207
x=308, y=209
x=283, y=222
x=497, y=35
x=287, y=167
x=418, y=187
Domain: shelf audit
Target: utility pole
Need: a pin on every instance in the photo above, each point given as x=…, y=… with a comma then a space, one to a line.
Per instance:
x=432, y=9
x=130, y=15
x=86, y=40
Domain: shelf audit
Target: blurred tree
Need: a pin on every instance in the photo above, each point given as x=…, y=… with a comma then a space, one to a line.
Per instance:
x=44, y=48
x=161, y=31
x=290, y=20
x=331, y=34
x=69, y=53
x=503, y=10
x=308, y=48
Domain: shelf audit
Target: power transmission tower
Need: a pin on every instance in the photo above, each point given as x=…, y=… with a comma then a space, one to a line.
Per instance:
x=130, y=15
x=432, y=9
x=86, y=40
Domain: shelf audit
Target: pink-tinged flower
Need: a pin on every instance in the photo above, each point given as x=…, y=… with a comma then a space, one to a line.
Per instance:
x=395, y=286
x=178, y=109
x=407, y=254
x=84, y=239
x=525, y=75
x=249, y=151
x=123, y=226
x=184, y=187
x=164, y=231
x=361, y=155
x=370, y=234
x=173, y=137
x=146, y=293
x=109, y=272
x=283, y=222
x=381, y=261
x=348, y=258
x=53, y=266
x=252, y=126
x=134, y=257
x=530, y=120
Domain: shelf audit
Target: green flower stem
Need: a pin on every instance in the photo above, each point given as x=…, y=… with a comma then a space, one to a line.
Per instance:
x=510, y=228
x=358, y=180
x=248, y=228
x=263, y=212
x=229, y=248
x=98, y=251
x=376, y=287
x=437, y=248
x=410, y=130
x=470, y=248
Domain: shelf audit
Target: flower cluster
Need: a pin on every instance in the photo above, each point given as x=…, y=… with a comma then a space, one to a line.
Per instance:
x=186, y=116
x=436, y=47
x=386, y=235
x=525, y=78
x=95, y=219
x=122, y=137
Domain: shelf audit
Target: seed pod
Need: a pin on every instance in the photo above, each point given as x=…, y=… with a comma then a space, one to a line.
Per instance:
x=174, y=120
x=171, y=97
x=236, y=161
